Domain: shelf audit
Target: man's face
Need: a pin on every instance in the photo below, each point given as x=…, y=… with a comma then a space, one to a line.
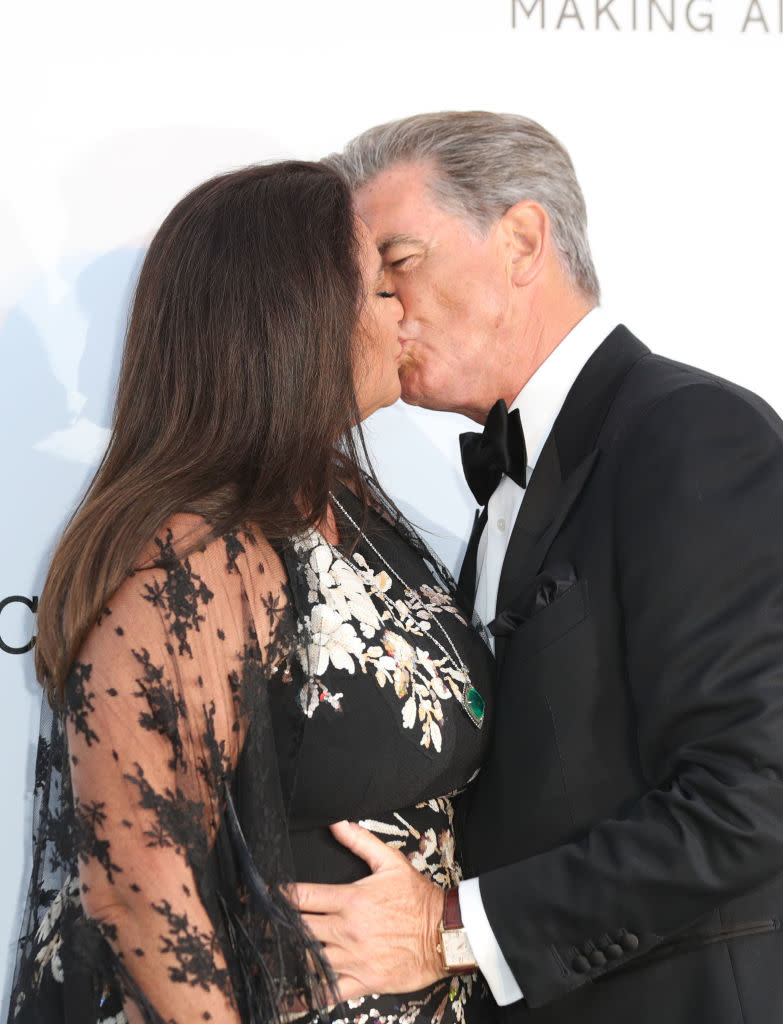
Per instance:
x=454, y=287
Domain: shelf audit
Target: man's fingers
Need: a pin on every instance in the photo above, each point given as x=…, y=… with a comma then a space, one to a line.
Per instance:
x=316, y=898
x=321, y=927
x=375, y=932
x=364, y=844
x=341, y=963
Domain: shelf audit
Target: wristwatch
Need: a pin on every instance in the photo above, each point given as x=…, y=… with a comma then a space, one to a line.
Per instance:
x=454, y=946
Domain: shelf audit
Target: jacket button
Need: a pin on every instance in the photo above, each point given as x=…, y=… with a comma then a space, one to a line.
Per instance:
x=580, y=964
x=614, y=952
x=629, y=942
x=597, y=958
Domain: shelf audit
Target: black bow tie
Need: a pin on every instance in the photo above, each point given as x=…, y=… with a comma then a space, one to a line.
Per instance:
x=499, y=449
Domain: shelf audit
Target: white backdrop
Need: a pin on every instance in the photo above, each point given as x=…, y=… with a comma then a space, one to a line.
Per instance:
x=670, y=109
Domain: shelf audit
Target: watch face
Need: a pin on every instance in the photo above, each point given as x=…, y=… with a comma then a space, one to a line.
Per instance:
x=456, y=948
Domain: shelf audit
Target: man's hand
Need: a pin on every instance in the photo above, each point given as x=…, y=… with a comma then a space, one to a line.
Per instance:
x=380, y=934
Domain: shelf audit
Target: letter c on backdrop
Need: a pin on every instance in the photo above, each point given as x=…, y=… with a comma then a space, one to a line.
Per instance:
x=32, y=604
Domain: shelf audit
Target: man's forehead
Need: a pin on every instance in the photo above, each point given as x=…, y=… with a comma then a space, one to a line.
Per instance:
x=398, y=205
x=413, y=175
x=396, y=189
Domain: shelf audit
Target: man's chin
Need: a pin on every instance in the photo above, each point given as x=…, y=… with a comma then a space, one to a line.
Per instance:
x=412, y=390
x=412, y=396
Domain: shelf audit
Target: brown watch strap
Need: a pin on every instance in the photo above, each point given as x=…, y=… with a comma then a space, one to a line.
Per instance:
x=452, y=916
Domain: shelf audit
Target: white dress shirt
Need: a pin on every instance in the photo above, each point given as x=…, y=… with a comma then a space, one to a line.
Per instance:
x=539, y=403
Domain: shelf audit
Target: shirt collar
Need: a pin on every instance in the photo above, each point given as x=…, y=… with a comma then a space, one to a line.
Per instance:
x=542, y=398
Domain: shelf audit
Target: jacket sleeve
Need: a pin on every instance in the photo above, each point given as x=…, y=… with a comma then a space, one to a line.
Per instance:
x=697, y=514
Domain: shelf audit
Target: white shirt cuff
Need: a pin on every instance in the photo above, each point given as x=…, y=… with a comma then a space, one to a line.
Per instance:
x=488, y=954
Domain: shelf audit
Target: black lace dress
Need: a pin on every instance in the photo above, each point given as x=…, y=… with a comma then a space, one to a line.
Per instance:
x=233, y=700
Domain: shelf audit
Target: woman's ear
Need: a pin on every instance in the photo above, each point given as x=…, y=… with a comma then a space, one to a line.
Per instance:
x=528, y=238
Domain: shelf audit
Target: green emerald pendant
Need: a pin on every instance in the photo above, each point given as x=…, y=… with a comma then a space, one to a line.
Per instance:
x=474, y=704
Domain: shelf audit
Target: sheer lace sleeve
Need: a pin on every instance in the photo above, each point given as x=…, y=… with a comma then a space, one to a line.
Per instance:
x=173, y=863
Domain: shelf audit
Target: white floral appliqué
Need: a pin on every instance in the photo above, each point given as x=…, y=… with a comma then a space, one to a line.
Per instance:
x=356, y=624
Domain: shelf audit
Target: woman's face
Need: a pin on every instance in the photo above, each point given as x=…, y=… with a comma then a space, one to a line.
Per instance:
x=379, y=350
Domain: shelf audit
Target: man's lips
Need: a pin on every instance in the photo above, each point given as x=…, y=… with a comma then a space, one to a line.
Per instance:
x=404, y=342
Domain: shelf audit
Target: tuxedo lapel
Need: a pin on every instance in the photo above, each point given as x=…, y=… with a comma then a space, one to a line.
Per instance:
x=587, y=404
x=534, y=516
x=525, y=560
x=566, y=461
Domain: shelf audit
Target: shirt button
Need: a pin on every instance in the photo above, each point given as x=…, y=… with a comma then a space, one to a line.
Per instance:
x=501, y=524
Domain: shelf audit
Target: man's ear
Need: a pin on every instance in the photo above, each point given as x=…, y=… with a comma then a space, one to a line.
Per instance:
x=527, y=235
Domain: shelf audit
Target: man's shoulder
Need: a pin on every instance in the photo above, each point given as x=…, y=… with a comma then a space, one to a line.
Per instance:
x=655, y=378
x=661, y=397
x=661, y=374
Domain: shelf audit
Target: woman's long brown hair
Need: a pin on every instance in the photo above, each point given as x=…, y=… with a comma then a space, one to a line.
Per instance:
x=235, y=398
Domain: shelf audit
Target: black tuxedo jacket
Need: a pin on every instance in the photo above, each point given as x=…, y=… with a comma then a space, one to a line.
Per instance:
x=627, y=828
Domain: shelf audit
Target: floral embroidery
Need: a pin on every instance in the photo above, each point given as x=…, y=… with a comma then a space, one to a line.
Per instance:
x=450, y=994
x=49, y=933
x=430, y=848
x=49, y=936
x=356, y=622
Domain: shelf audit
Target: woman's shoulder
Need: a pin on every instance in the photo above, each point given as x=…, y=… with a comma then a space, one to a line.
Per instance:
x=177, y=537
x=188, y=538
x=188, y=579
x=186, y=563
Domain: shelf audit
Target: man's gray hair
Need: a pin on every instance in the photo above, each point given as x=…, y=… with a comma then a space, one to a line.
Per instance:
x=484, y=163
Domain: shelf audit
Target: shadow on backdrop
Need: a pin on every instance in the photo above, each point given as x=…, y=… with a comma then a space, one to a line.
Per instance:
x=60, y=350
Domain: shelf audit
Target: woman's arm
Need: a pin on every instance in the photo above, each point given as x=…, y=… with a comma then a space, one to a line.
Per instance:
x=155, y=723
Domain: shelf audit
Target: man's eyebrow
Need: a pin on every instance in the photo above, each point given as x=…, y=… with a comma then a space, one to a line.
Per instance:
x=392, y=240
